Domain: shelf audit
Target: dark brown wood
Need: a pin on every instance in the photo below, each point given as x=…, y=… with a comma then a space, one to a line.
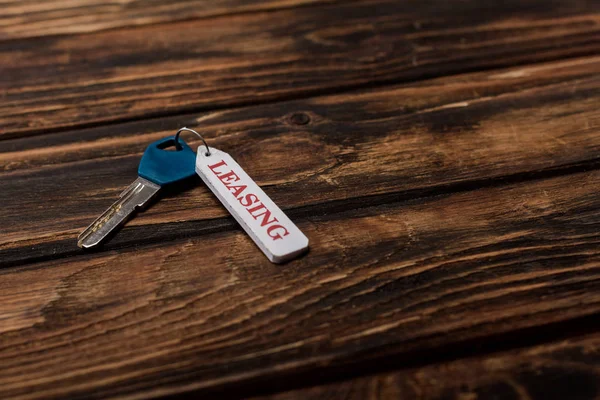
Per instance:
x=353, y=150
x=569, y=369
x=60, y=82
x=402, y=282
x=442, y=157
x=30, y=18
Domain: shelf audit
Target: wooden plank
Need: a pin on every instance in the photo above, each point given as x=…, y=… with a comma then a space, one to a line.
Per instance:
x=339, y=151
x=29, y=18
x=55, y=83
x=567, y=369
x=388, y=282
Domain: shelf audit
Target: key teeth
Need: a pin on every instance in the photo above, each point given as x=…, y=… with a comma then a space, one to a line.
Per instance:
x=134, y=198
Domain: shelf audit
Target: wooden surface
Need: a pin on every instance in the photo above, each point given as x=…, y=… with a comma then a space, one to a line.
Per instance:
x=442, y=158
x=566, y=369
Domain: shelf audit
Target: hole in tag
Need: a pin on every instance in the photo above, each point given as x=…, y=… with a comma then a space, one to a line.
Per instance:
x=170, y=145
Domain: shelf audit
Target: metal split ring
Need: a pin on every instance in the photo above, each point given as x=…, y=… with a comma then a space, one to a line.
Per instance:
x=197, y=134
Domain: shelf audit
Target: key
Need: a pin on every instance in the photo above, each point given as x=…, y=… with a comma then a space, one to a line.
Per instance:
x=158, y=167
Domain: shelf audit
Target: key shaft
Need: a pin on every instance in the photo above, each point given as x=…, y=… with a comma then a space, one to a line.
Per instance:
x=135, y=197
x=158, y=167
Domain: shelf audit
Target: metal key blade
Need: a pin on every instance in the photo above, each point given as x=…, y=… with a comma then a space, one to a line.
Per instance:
x=136, y=196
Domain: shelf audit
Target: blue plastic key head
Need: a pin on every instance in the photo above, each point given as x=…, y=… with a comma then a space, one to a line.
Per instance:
x=163, y=166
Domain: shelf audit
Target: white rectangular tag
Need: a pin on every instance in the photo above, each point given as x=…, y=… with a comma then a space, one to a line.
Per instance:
x=260, y=217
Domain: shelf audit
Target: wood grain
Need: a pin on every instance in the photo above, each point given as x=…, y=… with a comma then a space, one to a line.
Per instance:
x=348, y=151
x=399, y=282
x=442, y=157
x=568, y=369
x=29, y=18
x=61, y=82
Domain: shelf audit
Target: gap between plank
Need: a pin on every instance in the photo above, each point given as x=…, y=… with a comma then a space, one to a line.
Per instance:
x=478, y=347
x=190, y=229
x=422, y=76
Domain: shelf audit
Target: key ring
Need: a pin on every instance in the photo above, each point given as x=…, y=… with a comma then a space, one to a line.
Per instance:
x=197, y=134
